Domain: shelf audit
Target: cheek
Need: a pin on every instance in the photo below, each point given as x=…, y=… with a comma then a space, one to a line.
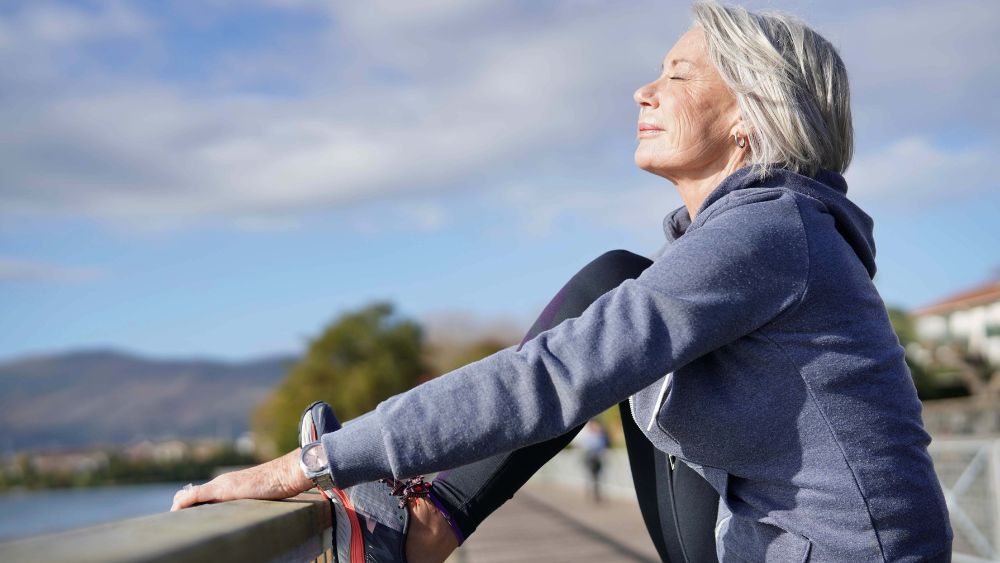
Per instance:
x=693, y=123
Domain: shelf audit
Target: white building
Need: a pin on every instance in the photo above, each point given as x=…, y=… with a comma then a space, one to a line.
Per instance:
x=970, y=318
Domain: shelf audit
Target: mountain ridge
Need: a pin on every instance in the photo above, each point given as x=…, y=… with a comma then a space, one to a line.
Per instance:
x=109, y=396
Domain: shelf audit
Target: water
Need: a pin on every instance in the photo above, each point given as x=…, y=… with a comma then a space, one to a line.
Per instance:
x=30, y=513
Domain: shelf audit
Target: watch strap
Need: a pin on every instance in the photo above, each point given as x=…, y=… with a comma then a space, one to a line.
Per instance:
x=324, y=481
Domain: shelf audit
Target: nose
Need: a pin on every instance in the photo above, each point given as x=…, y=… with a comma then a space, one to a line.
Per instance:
x=645, y=95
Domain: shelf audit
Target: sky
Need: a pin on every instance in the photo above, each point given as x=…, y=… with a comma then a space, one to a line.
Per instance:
x=224, y=179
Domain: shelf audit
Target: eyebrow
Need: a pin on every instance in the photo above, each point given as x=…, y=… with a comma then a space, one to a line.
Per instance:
x=674, y=62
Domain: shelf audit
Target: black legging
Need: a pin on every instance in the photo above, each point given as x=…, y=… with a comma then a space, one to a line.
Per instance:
x=678, y=506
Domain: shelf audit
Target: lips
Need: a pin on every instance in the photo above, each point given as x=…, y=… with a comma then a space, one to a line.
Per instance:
x=648, y=129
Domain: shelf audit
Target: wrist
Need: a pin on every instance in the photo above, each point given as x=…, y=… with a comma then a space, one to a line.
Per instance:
x=294, y=476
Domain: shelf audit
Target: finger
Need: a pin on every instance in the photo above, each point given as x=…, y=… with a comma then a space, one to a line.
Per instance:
x=178, y=502
x=182, y=499
x=201, y=494
x=188, y=496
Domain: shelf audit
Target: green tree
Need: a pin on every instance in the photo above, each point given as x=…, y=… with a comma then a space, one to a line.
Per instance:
x=359, y=360
x=902, y=323
x=472, y=352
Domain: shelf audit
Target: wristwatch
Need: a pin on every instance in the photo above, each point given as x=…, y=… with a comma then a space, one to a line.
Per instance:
x=315, y=465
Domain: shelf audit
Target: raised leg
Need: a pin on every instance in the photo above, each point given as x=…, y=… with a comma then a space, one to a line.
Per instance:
x=472, y=492
x=678, y=506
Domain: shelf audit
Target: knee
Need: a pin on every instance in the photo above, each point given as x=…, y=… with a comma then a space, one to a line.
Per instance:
x=617, y=264
x=606, y=272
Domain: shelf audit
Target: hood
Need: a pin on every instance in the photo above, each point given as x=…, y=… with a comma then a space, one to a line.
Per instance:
x=827, y=186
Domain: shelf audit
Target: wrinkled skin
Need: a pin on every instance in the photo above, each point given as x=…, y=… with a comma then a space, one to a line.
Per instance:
x=697, y=116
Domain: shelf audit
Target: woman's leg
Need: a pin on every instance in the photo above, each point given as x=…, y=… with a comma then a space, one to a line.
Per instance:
x=678, y=506
x=472, y=492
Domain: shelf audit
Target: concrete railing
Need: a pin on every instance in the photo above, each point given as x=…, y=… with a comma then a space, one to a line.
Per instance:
x=296, y=529
x=965, y=416
x=969, y=470
x=299, y=529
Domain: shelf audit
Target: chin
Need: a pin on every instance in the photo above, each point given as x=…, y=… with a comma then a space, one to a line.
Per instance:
x=646, y=162
x=651, y=156
x=643, y=160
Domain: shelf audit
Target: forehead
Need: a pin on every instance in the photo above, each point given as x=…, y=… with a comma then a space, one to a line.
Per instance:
x=690, y=48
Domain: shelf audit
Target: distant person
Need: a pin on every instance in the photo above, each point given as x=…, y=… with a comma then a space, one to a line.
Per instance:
x=593, y=441
x=768, y=411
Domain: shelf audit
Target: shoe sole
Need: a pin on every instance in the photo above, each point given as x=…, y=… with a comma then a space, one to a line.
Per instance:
x=348, y=527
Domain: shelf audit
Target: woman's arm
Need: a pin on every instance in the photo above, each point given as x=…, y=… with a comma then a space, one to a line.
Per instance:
x=744, y=265
x=277, y=479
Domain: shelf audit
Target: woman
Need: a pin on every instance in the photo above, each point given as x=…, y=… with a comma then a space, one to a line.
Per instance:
x=754, y=351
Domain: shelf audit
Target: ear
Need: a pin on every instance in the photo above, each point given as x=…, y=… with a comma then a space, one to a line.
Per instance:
x=742, y=129
x=738, y=127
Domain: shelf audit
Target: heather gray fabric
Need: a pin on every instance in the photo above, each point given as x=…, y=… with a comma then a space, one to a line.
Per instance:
x=788, y=389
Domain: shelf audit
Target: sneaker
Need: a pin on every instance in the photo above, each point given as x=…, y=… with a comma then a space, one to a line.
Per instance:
x=370, y=522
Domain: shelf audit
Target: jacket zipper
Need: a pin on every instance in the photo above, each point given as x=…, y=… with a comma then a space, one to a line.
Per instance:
x=671, y=459
x=656, y=409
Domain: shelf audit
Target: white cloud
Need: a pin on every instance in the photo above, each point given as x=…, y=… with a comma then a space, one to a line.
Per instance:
x=19, y=270
x=54, y=22
x=638, y=210
x=469, y=88
x=913, y=172
x=407, y=216
x=920, y=66
x=152, y=152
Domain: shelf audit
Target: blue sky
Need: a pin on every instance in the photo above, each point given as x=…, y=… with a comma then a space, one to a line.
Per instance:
x=223, y=179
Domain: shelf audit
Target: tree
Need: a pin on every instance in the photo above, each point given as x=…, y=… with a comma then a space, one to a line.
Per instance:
x=902, y=324
x=361, y=359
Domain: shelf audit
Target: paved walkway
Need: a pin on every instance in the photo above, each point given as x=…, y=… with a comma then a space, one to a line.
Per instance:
x=546, y=523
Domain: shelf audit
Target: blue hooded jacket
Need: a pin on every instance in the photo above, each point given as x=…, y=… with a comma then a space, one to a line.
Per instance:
x=755, y=348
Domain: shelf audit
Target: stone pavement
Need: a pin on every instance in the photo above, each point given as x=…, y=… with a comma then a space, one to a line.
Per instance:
x=544, y=522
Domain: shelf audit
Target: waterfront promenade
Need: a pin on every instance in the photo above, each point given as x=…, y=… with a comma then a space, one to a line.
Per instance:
x=550, y=523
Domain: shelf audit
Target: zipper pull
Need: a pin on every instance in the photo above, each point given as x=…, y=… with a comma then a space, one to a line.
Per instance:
x=672, y=461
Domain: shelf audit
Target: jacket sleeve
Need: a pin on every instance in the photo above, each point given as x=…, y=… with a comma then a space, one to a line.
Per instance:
x=744, y=265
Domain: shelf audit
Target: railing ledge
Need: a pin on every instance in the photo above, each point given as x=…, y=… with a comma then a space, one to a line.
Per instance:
x=295, y=529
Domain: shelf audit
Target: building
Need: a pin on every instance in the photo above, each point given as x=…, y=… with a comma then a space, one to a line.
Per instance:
x=969, y=319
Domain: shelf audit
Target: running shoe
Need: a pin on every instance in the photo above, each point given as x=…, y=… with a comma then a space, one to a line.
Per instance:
x=370, y=522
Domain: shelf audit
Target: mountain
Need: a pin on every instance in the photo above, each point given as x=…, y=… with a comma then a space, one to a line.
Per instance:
x=91, y=397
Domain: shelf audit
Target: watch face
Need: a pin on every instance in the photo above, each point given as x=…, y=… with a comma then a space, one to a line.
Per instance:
x=314, y=457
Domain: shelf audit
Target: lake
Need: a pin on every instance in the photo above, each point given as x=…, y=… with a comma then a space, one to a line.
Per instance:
x=29, y=513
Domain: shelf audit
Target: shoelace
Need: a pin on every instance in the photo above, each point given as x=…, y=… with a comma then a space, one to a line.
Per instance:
x=418, y=488
x=408, y=488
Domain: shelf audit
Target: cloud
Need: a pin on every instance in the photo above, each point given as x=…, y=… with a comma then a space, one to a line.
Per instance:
x=914, y=172
x=151, y=151
x=378, y=104
x=638, y=210
x=412, y=215
x=920, y=67
x=52, y=22
x=18, y=270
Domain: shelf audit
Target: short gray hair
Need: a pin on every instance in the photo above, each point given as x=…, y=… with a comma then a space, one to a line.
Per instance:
x=790, y=84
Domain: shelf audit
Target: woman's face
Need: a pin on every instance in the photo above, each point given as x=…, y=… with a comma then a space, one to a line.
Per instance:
x=687, y=116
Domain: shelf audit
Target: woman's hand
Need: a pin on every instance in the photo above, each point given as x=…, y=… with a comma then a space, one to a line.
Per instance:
x=277, y=479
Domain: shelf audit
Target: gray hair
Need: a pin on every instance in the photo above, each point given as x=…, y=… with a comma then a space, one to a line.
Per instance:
x=790, y=85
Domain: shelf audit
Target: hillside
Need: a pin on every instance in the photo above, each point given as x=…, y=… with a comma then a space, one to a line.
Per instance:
x=91, y=397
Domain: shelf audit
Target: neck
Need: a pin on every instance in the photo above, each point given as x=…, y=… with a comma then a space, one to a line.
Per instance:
x=695, y=187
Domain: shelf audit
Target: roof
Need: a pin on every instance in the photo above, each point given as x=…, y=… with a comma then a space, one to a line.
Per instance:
x=979, y=295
